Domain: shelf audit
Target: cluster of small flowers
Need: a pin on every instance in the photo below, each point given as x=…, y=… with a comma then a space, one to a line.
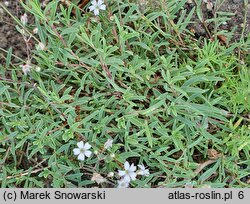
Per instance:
x=127, y=175
x=40, y=46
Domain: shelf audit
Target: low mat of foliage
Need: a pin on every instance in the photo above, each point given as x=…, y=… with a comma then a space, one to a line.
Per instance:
x=175, y=102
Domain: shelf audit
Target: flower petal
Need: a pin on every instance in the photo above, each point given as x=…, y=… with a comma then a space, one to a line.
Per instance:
x=142, y=167
x=96, y=12
x=102, y=7
x=80, y=144
x=87, y=153
x=132, y=176
x=94, y=3
x=121, y=173
x=126, y=165
x=92, y=8
x=87, y=146
x=146, y=172
x=81, y=157
x=132, y=167
x=100, y=2
x=127, y=178
x=122, y=184
x=76, y=151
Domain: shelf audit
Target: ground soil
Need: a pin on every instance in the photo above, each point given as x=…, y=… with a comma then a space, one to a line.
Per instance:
x=235, y=7
x=9, y=36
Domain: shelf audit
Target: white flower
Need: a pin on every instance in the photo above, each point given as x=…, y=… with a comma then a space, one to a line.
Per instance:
x=96, y=6
x=129, y=173
x=82, y=150
x=108, y=144
x=112, y=155
x=24, y=19
x=25, y=68
x=143, y=171
x=122, y=183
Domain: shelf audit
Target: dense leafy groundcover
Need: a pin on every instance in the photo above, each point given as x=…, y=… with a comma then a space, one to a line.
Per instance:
x=137, y=87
